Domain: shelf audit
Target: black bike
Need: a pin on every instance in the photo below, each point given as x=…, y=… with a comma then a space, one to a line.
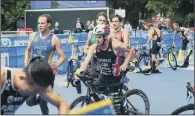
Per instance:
x=120, y=102
x=145, y=63
x=74, y=63
x=189, y=107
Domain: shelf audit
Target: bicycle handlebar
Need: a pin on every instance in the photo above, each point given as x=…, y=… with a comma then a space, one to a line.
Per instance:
x=84, y=76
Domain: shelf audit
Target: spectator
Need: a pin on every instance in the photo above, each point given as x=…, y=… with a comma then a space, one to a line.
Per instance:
x=162, y=25
x=78, y=28
x=92, y=25
x=88, y=26
x=81, y=24
x=57, y=30
x=143, y=26
x=128, y=26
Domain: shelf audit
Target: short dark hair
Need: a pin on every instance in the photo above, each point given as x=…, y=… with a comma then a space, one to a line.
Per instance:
x=39, y=72
x=102, y=14
x=118, y=16
x=48, y=16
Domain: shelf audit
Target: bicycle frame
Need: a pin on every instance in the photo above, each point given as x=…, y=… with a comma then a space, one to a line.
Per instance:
x=92, y=93
x=164, y=52
x=119, y=100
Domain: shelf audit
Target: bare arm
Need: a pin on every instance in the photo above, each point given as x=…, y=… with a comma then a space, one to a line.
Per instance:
x=186, y=31
x=121, y=47
x=57, y=45
x=126, y=37
x=3, y=74
x=28, y=49
x=55, y=99
x=150, y=33
x=88, y=57
x=87, y=45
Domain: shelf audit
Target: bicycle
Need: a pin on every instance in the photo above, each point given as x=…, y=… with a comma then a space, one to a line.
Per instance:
x=146, y=58
x=190, y=89
x=167, y=51
x=120, y=102
x=74, y=62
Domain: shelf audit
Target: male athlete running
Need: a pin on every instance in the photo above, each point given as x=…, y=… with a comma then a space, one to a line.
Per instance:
x=43, y=44
x=18, y=84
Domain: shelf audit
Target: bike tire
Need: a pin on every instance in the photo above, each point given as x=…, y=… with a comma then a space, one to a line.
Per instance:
x=143, y=96
x=140, y=68
x=183, y=109
x=175, y=61
x=78, y=100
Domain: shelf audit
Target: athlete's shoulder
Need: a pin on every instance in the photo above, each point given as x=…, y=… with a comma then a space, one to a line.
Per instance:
x=184, y=29
x=3, y=77
x=3, y=71
x=156, y=28
x=55, y=38
x=32, y=35
x=125, y=31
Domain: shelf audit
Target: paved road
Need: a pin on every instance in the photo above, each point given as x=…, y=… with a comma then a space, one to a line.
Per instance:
x=166, y=91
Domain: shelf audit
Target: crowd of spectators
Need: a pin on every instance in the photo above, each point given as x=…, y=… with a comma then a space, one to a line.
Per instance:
x=79, y=27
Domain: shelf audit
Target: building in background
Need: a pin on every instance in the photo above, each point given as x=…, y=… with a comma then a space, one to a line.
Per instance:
x=66, y=4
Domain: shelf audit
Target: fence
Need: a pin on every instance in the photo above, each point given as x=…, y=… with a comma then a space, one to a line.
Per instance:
x=13, y=47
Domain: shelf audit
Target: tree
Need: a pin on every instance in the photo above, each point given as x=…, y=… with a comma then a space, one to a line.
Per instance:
x=11, y=10
x=179, y=10
x=132, y=7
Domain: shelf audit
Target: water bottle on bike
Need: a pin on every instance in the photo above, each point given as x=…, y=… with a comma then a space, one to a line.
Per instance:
x=102, y=97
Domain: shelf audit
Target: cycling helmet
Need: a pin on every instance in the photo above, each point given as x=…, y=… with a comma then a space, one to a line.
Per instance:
x=101, y=29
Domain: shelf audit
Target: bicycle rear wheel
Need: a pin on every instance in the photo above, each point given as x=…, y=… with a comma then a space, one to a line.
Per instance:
x=183, y=109
x=172, y=60
x=145, y=64
x=82, y=99
x=132, y=109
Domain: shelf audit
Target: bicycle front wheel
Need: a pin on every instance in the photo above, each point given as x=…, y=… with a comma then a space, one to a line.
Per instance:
x=80, y=100
x=132, y=104
x=189, y=107
x=172, y=60
x=145, y=64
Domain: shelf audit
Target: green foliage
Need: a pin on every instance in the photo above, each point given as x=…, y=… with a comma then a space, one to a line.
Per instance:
x=181, y=11
x=11, y=10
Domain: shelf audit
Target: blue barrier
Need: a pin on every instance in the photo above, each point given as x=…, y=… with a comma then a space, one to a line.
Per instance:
x=15, y=46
